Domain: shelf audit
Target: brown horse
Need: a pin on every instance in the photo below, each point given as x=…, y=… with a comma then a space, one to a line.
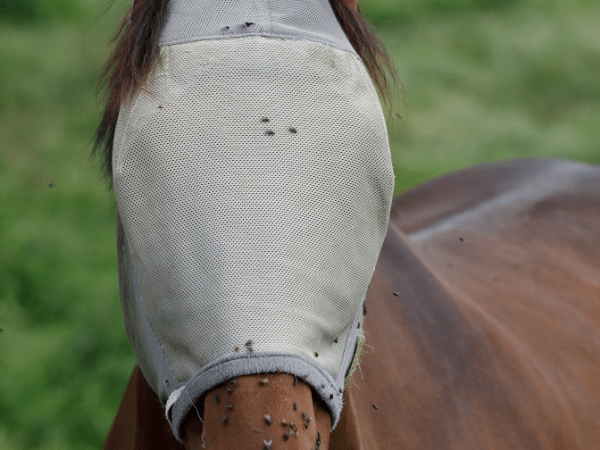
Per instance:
x=483, y=323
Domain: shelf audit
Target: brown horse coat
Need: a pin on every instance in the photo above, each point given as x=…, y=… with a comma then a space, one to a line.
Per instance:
x=483, y=320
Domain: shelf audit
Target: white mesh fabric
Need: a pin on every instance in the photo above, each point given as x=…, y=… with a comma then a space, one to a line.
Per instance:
x=239, y=228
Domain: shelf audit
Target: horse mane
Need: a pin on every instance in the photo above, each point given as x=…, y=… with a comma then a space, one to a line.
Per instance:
x=136, y=51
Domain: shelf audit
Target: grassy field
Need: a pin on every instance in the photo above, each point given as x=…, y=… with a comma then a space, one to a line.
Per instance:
x=484, y=80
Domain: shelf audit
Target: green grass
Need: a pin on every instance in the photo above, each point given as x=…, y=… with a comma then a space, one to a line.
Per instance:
x=485, y=86
x=484, y=80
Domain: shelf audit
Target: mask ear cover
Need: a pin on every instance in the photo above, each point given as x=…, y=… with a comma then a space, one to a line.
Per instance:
x=253, y=183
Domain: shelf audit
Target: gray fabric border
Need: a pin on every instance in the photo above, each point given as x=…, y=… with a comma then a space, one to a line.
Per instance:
x=299, y=37
x=232, y=366
x=283, y=20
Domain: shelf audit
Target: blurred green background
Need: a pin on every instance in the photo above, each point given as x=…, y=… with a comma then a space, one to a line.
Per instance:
x=484, y=80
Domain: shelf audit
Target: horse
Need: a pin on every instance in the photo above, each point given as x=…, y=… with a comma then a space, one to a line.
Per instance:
x=482, y=326
x=286, y=30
